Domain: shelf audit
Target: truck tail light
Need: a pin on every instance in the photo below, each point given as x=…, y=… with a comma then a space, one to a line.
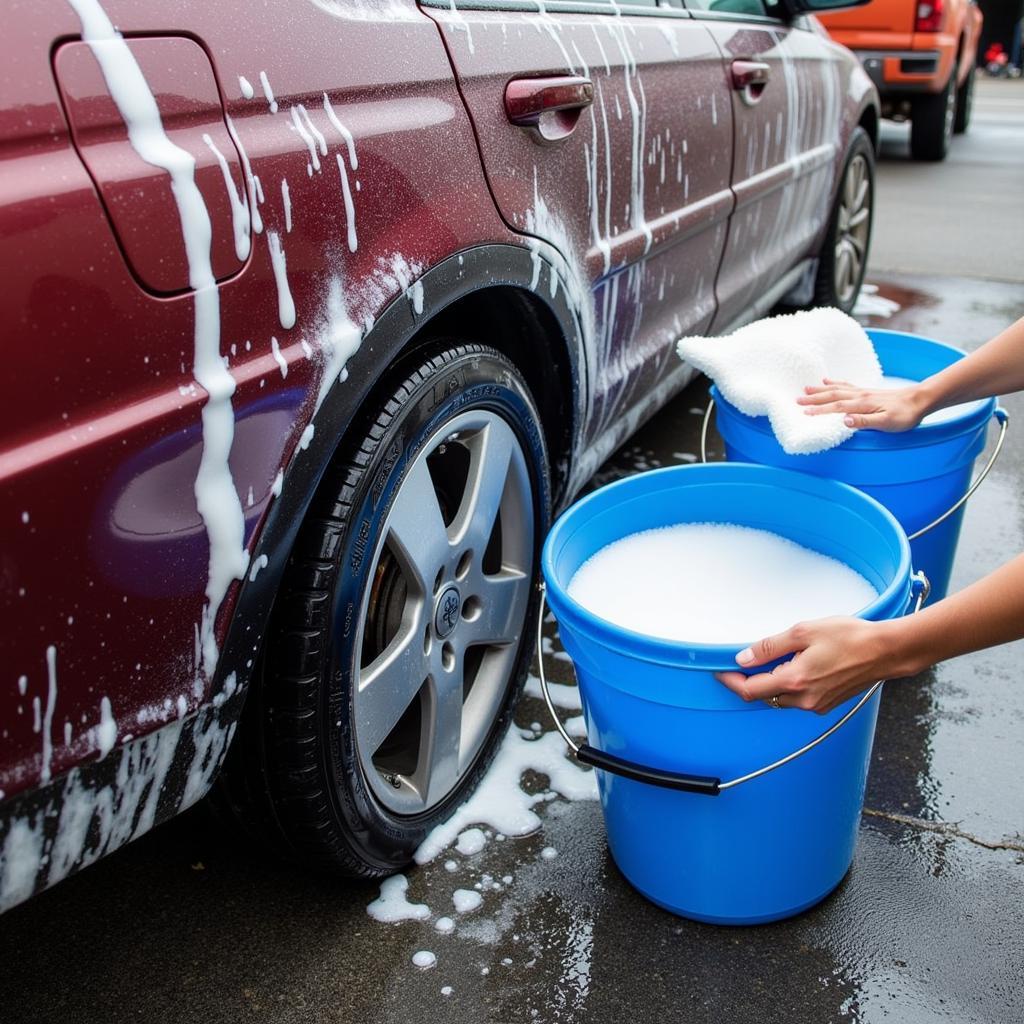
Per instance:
x=929, y=16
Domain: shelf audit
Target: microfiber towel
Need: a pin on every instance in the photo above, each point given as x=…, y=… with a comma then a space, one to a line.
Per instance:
x=762, y=369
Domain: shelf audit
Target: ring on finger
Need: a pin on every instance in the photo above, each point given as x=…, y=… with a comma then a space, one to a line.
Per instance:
x=773, y=701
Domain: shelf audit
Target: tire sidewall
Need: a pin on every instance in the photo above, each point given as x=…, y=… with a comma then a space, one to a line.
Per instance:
x=826, y=293
x=478, y=379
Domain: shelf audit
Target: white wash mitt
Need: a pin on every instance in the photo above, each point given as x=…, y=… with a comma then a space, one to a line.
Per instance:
x=762, y=369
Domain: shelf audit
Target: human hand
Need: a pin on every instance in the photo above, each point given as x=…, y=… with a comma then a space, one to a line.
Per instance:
x=833, y=659
x=890, y=409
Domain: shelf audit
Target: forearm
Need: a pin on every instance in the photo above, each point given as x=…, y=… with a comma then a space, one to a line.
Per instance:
x=985, y=614
x=997, y=368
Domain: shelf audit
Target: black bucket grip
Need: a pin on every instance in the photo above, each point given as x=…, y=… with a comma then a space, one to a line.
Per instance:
x=703, y=784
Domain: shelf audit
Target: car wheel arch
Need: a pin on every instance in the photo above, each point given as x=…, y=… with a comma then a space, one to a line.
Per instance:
x=538, y=332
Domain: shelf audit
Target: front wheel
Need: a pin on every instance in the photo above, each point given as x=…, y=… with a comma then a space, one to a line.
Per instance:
x=844, y=255
x=398, y=645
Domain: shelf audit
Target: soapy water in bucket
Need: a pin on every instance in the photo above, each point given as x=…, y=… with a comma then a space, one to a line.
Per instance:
x=940, y=415
x=715, y=583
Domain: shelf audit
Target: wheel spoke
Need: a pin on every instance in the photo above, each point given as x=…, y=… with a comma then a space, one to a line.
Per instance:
x=501, y=600
x=416, y=527
x=859, y=217
x=388, y=686
x=439, y=771
x=491, y=452
x=858, y=205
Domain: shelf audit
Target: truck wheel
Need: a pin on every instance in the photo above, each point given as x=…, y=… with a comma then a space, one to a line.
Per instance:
x=844, y=254
x=399, y=639
x=931, y=123
x=964, y=104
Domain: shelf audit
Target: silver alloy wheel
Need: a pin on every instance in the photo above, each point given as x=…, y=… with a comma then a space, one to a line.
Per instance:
x=440, y=626
x=852, y=229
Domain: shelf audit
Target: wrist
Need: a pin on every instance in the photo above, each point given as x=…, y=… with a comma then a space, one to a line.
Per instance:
x=926, y=398
x=896, y=651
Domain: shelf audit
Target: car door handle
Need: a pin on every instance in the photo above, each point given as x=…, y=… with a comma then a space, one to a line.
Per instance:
x=749, y=77
x=549, y=106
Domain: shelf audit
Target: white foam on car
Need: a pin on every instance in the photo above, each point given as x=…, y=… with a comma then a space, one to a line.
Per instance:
x=391, y=905
x=286, y=200
x=951, y=412
x=285, y=304
x=216, y=497
x=268, y=92
x=240, y=222
x=715, y=583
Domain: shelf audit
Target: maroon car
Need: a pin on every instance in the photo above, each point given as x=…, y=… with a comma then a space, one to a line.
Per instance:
x=313, y=313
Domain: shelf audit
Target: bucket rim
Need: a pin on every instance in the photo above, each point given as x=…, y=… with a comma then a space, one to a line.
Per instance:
x=924, y=434
x=693, y=654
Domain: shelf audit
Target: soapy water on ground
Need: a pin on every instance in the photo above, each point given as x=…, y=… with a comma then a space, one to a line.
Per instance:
x=870, y=303
x=733, y=584
x=531, y=772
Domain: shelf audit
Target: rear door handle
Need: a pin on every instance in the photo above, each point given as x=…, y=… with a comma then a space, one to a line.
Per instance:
x=549, y=106
x=750, y=77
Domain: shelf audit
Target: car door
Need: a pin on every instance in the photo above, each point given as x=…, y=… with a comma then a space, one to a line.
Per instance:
x=629, y=182
x=786, y=106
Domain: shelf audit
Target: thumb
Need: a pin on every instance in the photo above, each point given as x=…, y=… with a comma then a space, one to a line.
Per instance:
x=867, y=421
x=772, y=647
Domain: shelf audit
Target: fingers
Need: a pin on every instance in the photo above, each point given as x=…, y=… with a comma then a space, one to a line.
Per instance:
x=772, y=647
x=759, y=687
x=868, y=421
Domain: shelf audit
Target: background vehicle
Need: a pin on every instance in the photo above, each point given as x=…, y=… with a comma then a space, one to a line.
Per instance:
x=306, y=343
x=921, y=57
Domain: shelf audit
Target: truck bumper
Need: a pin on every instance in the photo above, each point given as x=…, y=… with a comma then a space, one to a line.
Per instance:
x=899, y=72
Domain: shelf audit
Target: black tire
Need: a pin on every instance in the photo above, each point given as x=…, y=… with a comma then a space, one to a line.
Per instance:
x=832, y=286
x=964, y=105
x=931, y=123
x=295, y=773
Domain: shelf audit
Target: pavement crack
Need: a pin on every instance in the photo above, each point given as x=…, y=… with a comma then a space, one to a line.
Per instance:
x=945, y=828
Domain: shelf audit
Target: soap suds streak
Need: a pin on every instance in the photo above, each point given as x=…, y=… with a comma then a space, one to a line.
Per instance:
x=246, y=86
x=254, y=209
x=715, y=583
x=240, y=222
x=346, y=135
x=286, y=202
x=51, y=703
x=285, y=304
x=314, y=157
x=216, y=497
x=268, y=92
x=350, y=210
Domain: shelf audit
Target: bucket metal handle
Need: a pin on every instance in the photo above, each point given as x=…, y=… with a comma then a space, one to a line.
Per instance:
x=705, y=784
x=1004, y=421
x=999, y=413
x=704, y=430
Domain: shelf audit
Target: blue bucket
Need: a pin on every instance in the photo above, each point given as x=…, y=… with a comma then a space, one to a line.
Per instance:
x=716, y=809
x=923, y=476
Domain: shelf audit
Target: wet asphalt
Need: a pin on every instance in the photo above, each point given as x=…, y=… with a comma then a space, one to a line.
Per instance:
x=190, y=924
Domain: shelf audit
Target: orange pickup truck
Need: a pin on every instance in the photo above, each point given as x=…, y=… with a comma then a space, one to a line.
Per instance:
x=921, y=55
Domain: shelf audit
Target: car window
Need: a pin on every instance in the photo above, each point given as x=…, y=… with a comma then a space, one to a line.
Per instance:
x=743, y=8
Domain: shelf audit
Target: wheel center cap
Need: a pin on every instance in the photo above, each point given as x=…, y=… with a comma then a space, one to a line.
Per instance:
x=446, y=615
